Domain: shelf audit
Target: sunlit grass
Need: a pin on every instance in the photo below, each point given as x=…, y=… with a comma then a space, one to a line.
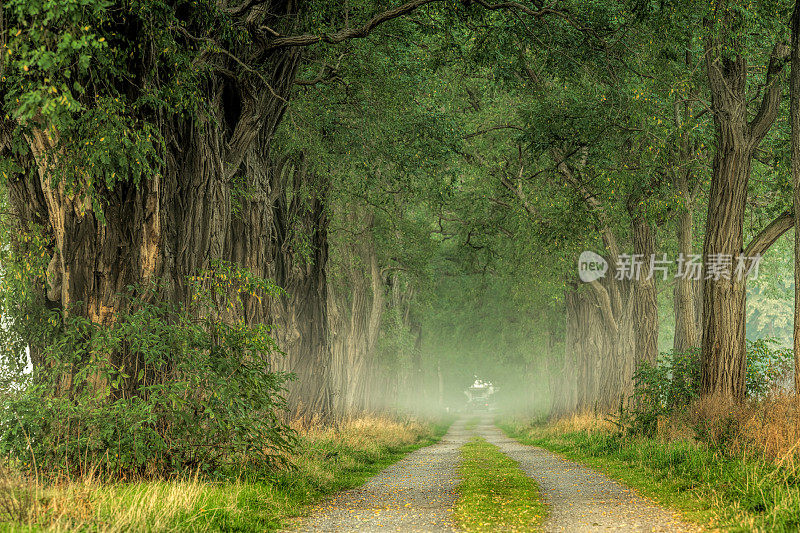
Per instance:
x=495, y=495
x=327, y=459
x=711, y=487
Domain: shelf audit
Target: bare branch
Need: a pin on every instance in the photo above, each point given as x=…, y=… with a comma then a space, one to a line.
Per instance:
x=326, y=72
x=349, y=33
x=241, y=8
x=494, y=128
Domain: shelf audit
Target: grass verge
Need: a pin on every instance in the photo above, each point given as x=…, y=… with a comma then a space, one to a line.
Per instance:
x=327, y=460
x=709, y=487
x=495, y=495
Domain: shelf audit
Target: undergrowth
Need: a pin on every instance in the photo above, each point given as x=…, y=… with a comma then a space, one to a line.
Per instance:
x=325, y=460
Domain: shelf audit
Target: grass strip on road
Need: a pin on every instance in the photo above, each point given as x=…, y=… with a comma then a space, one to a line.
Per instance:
x=709, y=487
x=471, y=423
x=494, y=494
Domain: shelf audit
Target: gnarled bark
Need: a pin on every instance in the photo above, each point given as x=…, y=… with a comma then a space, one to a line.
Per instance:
x=222, y=194
x=723, y=343
x=358, y=301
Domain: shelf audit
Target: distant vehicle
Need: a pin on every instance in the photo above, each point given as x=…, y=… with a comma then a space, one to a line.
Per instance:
x=479, y=396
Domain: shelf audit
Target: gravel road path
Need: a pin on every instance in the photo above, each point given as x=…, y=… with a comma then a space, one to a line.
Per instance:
x=415, y=494
x=580, y=499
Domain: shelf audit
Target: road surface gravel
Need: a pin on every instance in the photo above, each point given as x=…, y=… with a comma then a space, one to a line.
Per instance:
x=415, y=494
x=418, y=493
x=580, y=499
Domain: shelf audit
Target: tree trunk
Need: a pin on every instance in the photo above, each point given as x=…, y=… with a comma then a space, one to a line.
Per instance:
x=645, y=308
x=794, y=119
x=687, y=331
x=601, y=351
x=301, y=316
x=570, y=388
x=359, y=304
x=723, y=345
x=723, y=360
x=440, y=383
x=688, y=302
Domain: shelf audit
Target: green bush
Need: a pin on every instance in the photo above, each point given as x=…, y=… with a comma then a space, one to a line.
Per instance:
x=662, y=389
x=768, y=366
x=672, y=384
x=163, y=389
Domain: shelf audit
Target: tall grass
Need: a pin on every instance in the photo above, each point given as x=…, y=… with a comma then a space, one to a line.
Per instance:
x=326, y=459
x=735, y=467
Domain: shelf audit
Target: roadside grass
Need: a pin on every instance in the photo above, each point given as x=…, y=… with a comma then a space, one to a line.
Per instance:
x=710, y=487
x=327, y=460
x=494, y=494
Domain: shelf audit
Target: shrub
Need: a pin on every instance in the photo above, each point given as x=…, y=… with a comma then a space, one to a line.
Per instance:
x=662, y=389
x=163, y=389
x=768, y=367
x=673, y=384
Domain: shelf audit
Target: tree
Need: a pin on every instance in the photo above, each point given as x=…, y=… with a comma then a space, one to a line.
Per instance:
x=737, y=137
x=794, y=120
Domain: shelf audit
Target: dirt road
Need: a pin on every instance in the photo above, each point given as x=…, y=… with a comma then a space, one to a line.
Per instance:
x=581, y=499
x=415, y=494
x=418, y=493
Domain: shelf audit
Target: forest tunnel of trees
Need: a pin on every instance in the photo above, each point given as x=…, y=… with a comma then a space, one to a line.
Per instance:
x=388, y=199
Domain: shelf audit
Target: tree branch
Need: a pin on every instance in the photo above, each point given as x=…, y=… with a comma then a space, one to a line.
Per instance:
x=363, y=31
x=517, y=191
x=767, y=236
x=604, y=302
x=768, y=110
x=326, y=72
x=538, y=13
x=246, y=5
x=349, y=33
x=493, y=128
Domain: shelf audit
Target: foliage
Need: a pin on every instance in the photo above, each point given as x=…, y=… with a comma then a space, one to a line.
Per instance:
x=768, y=367
x=663, y=389
x=325, y=459
x=673, y=384
x=161, y=389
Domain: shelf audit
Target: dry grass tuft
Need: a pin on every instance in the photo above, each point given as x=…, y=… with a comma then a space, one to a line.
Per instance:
x=769, y=428
x=368, y=434
x=324, y=452
x=86, y=502
x=587, y=421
